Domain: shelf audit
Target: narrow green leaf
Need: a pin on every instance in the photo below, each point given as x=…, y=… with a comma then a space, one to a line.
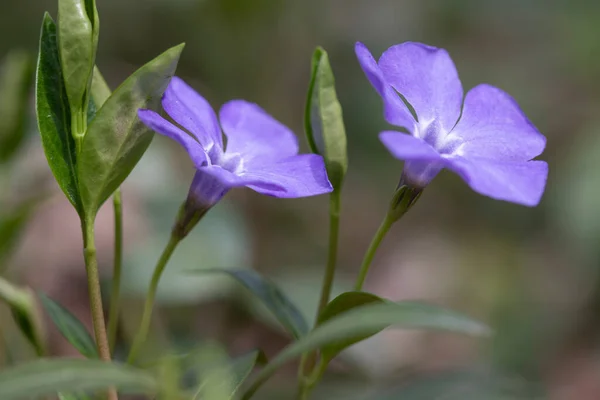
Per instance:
x=70, y=327
x=216, y=375
x=100, y=91
x=53, y=115
x=116, y=139
x=272, y=297
x=243, y=366
x=323, y=119
x=341, y=304
x=24, y=310
x=63, y=396
x=77, y=39
x=12, y=222
x=367, y=320
x=45, y=377
x=15, y=83
x=460, y=384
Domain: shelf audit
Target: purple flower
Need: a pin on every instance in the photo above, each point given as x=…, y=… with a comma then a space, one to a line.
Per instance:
x=261, y=153
x=490, y=145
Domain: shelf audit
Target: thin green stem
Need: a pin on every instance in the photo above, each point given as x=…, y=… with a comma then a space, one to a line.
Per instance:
x=334, y=229
x=364, y=268
x=115, y=295
x=142, y=333
x=93, y=278
x=307, y=361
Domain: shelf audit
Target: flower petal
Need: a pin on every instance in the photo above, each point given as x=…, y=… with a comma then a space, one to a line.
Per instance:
x=423, y=162
x=427, y=78
x=493, y=126
x=192, y=111
x=254, y=134
x=298, y=176
x=517, y=182
x=160, y=125
x=407, y=147
x=395, y=111
x=211, y=183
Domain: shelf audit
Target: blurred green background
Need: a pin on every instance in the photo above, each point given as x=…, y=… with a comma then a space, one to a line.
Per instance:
x=532, y=274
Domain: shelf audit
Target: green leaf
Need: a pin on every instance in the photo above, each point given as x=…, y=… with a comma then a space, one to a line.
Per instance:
x=70, y=327
x=45, y=377
x=243, y=366
x=366, y=320
x=116, y=139
x=220, y=377
x=12, y=222
x=100, y=91
x=53, y=116
x=341, y=304
x=63, y=396
x=323, y=119
x=460, y=384
x=78, y=39
x=272, y=297
x=23, y=308
x=216, y=374
x=15, y=83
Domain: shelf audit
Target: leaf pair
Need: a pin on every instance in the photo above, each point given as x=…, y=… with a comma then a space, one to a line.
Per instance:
x=114, y=141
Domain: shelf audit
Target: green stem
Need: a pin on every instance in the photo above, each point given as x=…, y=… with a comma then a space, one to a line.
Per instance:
x=115, y=295
x=307, y=361
x=311, y=381
x=334, y=228
x=364, y=268
x=93, y=278
x=142, y=333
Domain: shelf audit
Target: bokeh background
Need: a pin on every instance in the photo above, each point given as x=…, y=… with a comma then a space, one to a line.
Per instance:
x=531, y=274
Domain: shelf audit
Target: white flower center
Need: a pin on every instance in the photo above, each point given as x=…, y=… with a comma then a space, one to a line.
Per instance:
x=231, y=162
x=443, y=141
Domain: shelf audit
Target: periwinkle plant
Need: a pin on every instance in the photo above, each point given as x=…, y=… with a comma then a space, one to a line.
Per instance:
x=93, y=138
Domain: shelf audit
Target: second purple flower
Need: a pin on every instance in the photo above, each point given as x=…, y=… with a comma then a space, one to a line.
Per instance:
x=486, y=139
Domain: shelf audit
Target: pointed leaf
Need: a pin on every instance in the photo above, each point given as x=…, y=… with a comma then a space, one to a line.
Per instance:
x=244, y=365
x=100, y=91
x=272, y=297
x=15, y=83
x=45, y=377
x=116, y=139
x=70, y=327
x=12, y=222
x=366, y=320
x=78, y=40
x=24, y=310
x=53, y=115
x=63, y=396
x=217, y=379
x=341, y=304
x=323, y=119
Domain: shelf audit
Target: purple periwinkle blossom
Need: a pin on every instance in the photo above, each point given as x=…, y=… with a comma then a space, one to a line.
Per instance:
x=486, y=139
x=261, y=153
